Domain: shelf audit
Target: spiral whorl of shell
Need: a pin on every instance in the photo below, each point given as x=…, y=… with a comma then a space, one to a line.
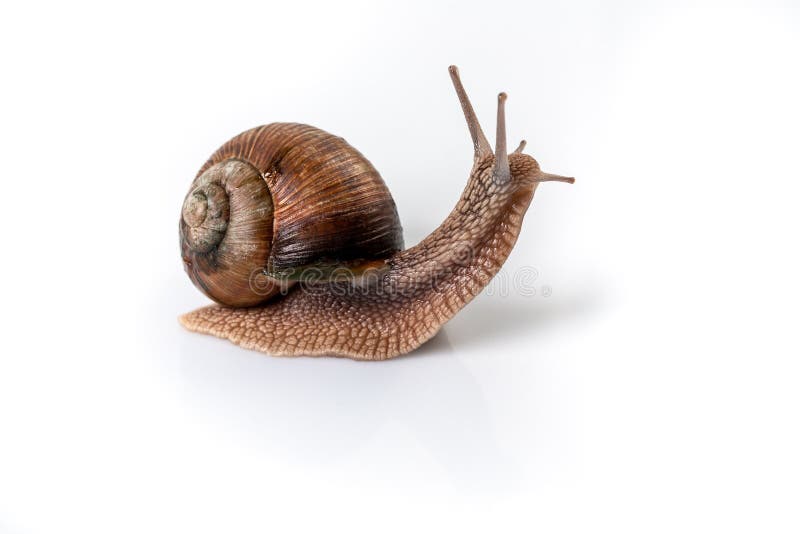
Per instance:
x=226, y=233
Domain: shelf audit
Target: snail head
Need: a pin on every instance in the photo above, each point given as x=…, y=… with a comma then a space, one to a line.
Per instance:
x=515, y=171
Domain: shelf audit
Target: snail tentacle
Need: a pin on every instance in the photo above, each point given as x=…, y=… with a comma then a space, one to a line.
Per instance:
x=481, y=145
x=502, y=172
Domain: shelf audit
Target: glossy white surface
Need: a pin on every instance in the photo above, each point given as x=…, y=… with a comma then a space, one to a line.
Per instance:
x=649, y=384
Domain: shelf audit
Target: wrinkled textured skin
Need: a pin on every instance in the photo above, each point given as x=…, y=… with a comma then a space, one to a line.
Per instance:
x=424, y=287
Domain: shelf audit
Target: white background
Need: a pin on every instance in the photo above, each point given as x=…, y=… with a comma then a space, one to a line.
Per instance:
x=654, y=390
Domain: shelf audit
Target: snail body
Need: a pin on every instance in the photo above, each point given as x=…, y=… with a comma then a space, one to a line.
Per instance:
x=284, y=200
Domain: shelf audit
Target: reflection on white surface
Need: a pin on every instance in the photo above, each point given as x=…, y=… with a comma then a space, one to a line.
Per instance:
x=317, y=412
x=322, y=412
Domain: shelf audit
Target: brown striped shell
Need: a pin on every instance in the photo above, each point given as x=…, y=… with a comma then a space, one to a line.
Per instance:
x=277, y=199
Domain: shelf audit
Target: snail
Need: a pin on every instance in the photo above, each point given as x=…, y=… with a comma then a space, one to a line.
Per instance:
x=297, y=238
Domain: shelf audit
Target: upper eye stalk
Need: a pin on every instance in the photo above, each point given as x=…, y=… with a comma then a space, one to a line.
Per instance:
x=502, y=170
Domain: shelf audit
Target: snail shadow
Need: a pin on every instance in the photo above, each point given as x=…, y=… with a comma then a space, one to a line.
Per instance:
x=492, y=320
x=326, y=413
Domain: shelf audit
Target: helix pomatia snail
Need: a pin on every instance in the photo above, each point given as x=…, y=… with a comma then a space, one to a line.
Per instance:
x=288, y=201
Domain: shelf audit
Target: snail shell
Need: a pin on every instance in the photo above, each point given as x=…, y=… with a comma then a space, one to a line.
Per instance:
x=276, y=200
